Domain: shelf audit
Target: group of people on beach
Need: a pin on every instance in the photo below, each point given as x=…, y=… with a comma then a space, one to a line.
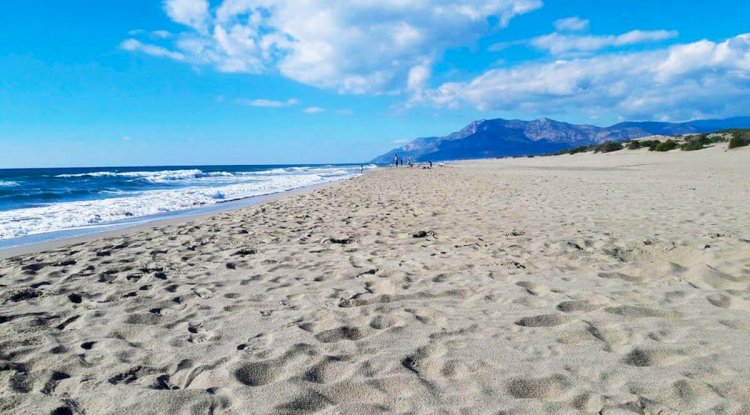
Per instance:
x=400, y=161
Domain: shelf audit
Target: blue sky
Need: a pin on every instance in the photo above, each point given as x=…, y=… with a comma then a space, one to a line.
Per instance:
x=87, y=83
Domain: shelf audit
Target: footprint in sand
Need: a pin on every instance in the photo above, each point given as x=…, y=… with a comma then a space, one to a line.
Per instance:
x=131, y=375
x=533, y=288
x=308, y=402
x=543, y=320
x=342, y=333
x=257, y=373
x=54, y=379
x=263, y=372
x=620, y=275
x=640, y=312
x=62, y=410
x=643, y=357
x=420, y=361
x=611, y=335
x=142, y=318
x=382, y=322
x=546, y=388
x=329, y=369
x=577, y=306
x=720, y=300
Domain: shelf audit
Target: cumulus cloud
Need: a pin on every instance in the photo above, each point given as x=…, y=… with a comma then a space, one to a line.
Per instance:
x=571, y=24
x=266, y=103
x=356, y=47
x=192, y=13
x=558, y=44
x=134, y=45
x=684, y=81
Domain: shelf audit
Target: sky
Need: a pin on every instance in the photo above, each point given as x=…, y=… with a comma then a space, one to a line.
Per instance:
x=183, y=82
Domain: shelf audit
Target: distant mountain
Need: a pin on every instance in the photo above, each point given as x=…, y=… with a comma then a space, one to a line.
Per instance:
x=499, y=137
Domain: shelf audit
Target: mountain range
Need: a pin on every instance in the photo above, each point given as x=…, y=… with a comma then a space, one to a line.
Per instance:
x=501, y=138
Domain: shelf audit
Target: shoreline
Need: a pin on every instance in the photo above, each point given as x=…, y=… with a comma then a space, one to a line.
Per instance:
x=125, y=228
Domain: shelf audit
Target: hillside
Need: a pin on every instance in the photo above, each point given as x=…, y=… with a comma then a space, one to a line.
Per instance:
x=501, y=138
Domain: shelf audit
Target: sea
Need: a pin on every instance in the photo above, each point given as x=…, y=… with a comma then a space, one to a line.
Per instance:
x=38, y=205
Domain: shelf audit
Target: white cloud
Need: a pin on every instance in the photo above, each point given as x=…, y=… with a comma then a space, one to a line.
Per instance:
x=558, y=44
x=126, y=138
x=192, y=13
x=418, y=77
x=684, y=81
x=154, y=34
x=350, y=46
x=134, y=45
x=501, y=46
x=162, y=34
x=571, y=24
x=266, y=103
x=313, y=110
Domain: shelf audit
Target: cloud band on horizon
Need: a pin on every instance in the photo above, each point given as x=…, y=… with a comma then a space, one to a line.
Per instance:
x=684, y=81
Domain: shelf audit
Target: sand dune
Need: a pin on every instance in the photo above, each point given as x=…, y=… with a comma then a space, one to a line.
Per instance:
x=606, y=283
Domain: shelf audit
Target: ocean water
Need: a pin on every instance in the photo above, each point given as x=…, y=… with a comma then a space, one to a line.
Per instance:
x=44, y=204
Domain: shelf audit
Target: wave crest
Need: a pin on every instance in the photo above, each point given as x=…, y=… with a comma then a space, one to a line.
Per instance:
x=223, y=187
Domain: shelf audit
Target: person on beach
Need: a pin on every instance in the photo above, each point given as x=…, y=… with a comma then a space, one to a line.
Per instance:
x=395, y=159
x=430, y=163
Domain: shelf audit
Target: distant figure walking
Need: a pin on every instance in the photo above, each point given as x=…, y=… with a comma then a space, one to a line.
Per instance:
x=362, y=168
x=395, y=159
x=430, y=163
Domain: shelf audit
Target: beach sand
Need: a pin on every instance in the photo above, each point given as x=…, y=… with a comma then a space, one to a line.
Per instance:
x=594, y=283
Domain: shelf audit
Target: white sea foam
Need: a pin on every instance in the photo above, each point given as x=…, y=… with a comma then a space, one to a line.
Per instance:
x=152, y=176
x=68, y=215
x=190, y=175
x=8, y=183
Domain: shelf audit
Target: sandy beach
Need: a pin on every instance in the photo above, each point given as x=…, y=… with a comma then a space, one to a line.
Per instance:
x=594, y=283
